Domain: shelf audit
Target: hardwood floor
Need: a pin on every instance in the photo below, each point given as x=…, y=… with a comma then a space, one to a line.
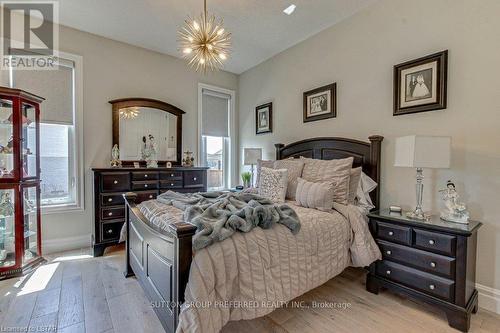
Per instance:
x=76, y=293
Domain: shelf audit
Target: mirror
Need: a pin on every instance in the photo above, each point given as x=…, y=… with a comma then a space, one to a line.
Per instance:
x=140, y=123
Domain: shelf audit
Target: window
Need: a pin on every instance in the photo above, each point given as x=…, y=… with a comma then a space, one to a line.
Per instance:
x=216, y=135
x=60, y=136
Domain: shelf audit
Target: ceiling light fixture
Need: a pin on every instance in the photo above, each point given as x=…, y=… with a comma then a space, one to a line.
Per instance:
x=204, y=42
x=290, y=9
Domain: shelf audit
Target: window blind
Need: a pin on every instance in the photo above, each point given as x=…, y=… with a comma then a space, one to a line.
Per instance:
x=215, y=114
x=56, y=86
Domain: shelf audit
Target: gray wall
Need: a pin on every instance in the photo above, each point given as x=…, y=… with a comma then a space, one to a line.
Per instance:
x=359, y=55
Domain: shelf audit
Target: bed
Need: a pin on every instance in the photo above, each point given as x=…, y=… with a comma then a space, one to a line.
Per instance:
x=250, y=274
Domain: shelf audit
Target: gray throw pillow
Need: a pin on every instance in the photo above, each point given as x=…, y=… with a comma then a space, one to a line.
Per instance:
x=315, y=195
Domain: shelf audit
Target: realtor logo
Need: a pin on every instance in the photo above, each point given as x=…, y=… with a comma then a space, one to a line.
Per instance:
x=29, y=33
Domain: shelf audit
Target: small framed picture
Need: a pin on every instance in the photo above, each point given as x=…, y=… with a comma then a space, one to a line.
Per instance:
x=320, y=103
x=264, y=118
x=420, y=85
x=137, y=165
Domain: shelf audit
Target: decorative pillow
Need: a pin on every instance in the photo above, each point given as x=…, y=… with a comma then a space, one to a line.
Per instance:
x=337, y=171
x=273, y=183
x=260, y=164
x=294, y=168
x=354, y=183
x=315, y=195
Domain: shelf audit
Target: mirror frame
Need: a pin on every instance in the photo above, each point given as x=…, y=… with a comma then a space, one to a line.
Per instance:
x=149, y=103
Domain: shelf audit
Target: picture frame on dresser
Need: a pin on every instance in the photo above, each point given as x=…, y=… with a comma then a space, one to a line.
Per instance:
x=433, y=262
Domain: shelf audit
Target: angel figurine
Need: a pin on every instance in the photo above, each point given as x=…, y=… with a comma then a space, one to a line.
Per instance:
x=455, y=210
x=115, y=157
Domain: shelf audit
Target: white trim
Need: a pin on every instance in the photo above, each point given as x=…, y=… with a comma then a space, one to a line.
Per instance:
x=65, y=244
x=232, y=159
x=489, y=298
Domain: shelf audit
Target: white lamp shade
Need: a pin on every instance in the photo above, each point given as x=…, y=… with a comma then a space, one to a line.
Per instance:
x=251, y=155
x=416, y=151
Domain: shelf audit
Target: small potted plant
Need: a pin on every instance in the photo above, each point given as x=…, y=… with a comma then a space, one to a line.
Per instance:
x=246, y=177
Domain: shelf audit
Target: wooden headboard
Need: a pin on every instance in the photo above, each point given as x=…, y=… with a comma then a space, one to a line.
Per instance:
x=366, y=154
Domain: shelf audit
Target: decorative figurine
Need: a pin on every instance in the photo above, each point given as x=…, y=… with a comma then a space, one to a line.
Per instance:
x=115, y=157
x=188, y=160
x=455, y=210
x=6, y=206
x=169, y=165
x=148, y=151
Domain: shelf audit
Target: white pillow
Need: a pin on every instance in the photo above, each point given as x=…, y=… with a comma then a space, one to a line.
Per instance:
x=366, y=185
x=273, y=184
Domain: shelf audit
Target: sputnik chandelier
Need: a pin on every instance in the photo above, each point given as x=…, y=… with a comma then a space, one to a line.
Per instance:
x=204, y=42
x=129, y=113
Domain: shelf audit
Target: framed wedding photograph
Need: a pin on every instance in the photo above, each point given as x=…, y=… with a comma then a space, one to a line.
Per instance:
x=264, y=118
x=320, y=103
x=420, y=85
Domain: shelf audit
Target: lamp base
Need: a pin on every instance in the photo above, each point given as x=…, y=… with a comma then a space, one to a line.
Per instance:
x=418, y=215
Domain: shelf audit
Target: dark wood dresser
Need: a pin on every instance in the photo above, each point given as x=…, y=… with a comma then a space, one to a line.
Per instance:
x=111, y=183
x=432, y=262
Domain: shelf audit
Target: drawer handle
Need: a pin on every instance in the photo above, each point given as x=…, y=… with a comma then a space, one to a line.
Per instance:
x=433, y=264
x=432, y=242
x=115, y=182
x=389, y=252
x=171, y=175
x=388, y=272
x=194, y=178
x=150, y=196
x=109, y=231
x=172, y=184
x=110, y=200
x=145, y=185
x=110, y=214
x=145, y=176
x=432, y=287
x=391, y=233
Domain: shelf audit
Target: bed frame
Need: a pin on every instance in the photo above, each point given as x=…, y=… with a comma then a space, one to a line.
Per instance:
x=161, y=259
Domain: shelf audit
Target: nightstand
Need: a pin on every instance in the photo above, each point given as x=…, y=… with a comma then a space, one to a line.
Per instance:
x=432, y=262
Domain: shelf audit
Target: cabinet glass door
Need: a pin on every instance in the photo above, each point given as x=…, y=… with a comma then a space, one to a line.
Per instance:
x=6, y=139
x=30, y=211
x=7, y=228
x=29, y=141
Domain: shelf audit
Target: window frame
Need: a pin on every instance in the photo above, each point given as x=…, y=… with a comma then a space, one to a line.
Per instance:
x=75, y=139
x=230, y=144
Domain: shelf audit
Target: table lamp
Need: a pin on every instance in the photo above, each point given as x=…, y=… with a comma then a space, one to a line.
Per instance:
x=251, y=155
x=421, y=152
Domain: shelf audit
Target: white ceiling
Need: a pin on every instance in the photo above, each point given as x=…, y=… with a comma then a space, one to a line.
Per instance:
x=260, y=29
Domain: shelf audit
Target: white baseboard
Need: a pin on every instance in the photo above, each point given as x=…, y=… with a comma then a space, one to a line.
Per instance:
x=489, y=298
x=64, y=244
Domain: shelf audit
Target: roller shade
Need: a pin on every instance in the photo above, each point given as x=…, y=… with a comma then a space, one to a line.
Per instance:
x=215, y=114
x=56, y=86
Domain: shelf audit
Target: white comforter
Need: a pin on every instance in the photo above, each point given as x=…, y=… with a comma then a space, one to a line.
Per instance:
x=250, y=274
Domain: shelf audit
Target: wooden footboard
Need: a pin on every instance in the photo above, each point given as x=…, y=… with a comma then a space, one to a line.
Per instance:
x=160, y=260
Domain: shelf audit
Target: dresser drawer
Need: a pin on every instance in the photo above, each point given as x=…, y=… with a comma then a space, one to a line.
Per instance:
x=146, y=195
x=435, y=242
x=113, y=213
x=115, y=182
x=145, y=185
x=425, y=282
x=430, y=262
x=171, y=184
x=144, y=175
x=393, y=233
x=113, y=199
x=193, y=178
x=171, y=175
x=111, y=231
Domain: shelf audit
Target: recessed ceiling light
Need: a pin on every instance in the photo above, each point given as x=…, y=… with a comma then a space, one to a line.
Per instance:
x=290, y=9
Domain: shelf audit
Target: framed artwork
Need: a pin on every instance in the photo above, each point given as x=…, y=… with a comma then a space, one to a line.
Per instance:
x=320, y=103
x=420, y=85
x=264, y=118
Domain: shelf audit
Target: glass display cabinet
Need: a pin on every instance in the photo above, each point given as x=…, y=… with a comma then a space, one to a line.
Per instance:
x=20, y=238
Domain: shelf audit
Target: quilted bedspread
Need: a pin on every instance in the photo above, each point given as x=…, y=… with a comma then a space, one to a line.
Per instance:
x=250, y=274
